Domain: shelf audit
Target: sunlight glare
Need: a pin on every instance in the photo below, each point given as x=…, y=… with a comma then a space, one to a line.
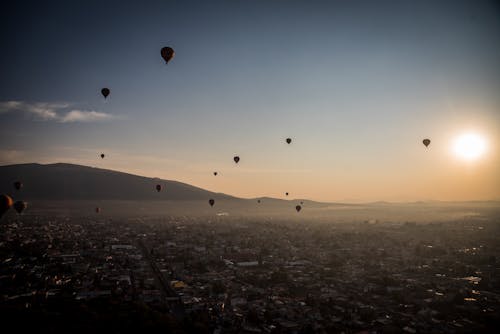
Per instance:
x=469, y=146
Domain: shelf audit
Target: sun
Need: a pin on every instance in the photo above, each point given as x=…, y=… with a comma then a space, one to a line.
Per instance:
x=469, y=146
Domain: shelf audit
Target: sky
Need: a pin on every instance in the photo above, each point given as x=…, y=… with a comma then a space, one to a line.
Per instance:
x=357, y=85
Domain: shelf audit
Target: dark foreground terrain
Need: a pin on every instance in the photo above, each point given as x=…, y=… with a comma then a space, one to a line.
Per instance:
x=225, y=274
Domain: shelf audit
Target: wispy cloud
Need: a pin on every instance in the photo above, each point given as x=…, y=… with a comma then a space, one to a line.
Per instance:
x=85, y=116
x=59, y=112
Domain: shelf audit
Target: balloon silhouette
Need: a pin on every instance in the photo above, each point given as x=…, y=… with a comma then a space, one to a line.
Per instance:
x=426, y=142
x=105, y=92
x=5, y=204
x=298, y=208
x=211, y=202
x=167, y=53
x=236, y=159
x=19, y=206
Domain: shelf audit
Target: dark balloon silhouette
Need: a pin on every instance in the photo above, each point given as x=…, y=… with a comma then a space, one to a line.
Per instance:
x=97, y=210
x=18, y=185
x=215, y=173
x=236, y=159
x=102, y=155
x=298, y=208
x=105, y=92
x=20, y=206
x=167, y=53
x=5, y=204
x=286, y=194
x=288, y=140
x=426, y=142
x=211, y=202
x=258, y=201
x=301, y=203
x=158, y=187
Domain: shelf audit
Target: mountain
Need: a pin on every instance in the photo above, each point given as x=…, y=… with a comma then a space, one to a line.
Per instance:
x=118, y=194
x=75, y=182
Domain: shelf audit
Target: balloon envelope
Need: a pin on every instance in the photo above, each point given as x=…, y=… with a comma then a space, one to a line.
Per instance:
x=167, y=53
x=298, y=208
x=215, y=173
x=18, y=185
x=236, y=159
x=158, y=187
x=5, y=203
x=426, y=142
x=288, y=140
x=19, y=206
x=102, y=155
x=211, y=202
x=105, y=92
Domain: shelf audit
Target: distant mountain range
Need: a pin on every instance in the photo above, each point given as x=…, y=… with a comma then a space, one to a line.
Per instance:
x=62, y=181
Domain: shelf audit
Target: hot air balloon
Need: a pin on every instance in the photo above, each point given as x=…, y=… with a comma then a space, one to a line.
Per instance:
x=286, y=194
x=236, y=159
x=167, y=53
x=258, y=201
x=18, y=185
x=105, y=92
x=288, y=140
x=102, y=155
x=158, y=187
x=298, y=208
x=5, y=203
x=19, y=206
x=301, y=203
x=97, y=210
x=215, y=173
x=211, y=202
x=426, y=142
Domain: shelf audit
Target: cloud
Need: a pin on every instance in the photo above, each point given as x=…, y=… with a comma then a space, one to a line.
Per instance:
x=84, y=116
x=54, y=112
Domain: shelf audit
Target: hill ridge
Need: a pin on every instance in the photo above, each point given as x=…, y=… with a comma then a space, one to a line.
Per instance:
x=72, y=181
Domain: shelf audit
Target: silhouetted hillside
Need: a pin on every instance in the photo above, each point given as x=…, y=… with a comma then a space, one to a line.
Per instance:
x=75, y=182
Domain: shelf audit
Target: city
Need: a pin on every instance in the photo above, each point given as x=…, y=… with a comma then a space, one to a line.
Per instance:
x=225, y=275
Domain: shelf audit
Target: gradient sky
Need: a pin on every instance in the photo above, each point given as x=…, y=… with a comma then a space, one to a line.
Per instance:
x=356, y=84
